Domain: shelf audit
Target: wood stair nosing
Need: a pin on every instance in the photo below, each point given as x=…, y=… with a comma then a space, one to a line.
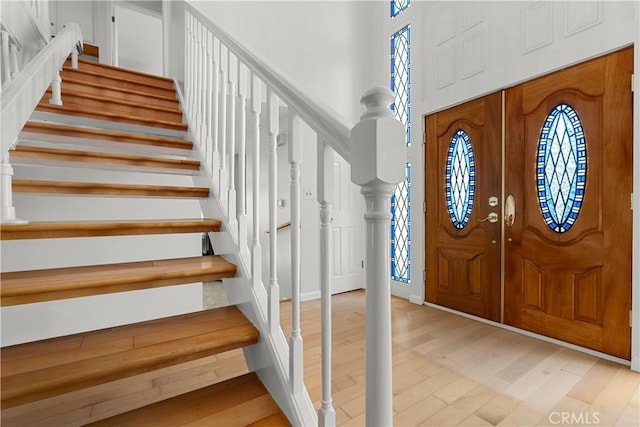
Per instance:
x=106, y=135
x=240, y=401
x=116, y=105
x=64, y=229
x=171, y=100
x=30, y=374
x=26, y=152
x=124, y=72
x=106, y=189
x=77, y=110
x=125, y=83
x=25, y=287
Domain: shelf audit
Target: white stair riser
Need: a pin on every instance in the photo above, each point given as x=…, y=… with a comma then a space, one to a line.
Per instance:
x=17, y=255
x=30, y=322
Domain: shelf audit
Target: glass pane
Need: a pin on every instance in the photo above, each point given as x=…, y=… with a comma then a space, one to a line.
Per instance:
x=398, y=6
x=401, y=230
x=401, y=78
x=460, y=179
x=561, y=168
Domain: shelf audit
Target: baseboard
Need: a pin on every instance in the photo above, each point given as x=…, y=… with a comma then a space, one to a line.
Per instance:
x=308, y=296
x=416, y=299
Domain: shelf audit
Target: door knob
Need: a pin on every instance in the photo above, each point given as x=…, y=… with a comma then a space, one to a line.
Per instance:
x=510, y=211
x=492, y=218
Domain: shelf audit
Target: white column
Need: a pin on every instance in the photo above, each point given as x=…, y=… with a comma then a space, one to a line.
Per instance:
x=231, y=141
x=378, y=155
x=7, y=212
x=222, y=125
x=241, y=126
x=326, y=413
x=295, y=342
x=56, y=90
x=274, y=289
x=256, y=250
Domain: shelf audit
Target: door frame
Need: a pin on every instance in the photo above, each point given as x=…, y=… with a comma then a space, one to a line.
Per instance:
x=634, y=363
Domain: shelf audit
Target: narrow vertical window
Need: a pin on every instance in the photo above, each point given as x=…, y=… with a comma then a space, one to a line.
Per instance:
x=398, y=6
x=401, y=230
x=401, y=200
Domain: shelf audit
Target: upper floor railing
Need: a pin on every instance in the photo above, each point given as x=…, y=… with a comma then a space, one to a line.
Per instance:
x=232, y=98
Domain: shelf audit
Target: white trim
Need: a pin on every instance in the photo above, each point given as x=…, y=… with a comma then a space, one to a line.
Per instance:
x=533, y=335
x=308, y=296
x=138, y=8
x=635, y=221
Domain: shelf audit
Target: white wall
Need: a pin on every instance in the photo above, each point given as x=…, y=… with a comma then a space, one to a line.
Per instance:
x=139, y=38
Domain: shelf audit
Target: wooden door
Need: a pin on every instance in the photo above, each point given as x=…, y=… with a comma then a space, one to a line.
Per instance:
x=569, y=170
x=463, y=171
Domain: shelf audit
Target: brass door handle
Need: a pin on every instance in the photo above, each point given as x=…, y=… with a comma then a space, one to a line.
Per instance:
x=492, y=218
x=510, y=211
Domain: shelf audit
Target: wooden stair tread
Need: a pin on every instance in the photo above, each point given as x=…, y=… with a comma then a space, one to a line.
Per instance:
x=147, y=86
x=106, y=189
x=47, y=368
x=55, y=154
x=60, y=229
x=85, y=65
x=106, y=135
x=111, y=100
x=23, y=287
x=240, y=401
x=79, y=110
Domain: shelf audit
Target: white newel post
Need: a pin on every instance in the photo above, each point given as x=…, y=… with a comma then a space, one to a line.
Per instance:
x=295, y=342
x=6, y=51
x=8, y=213
x=273, y=119
x=15, y=63
x=378, y=156
x=56, y=90
x=326, y=413
x=256, y=250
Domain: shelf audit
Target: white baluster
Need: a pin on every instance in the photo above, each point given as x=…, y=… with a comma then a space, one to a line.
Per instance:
x=6, y=69
x=215, y=102
x=15, y=63
x=231, y=141
x=209, y=97
x=56, y=90
x=203, y=84
x=243, y=80
x=189, y=64
x=198, y=82
x=74, y=57
x=274, y=289
x=295, y=342
x=378, y=156
x=326, y=413
x=222, y=126
x=8, y=212
x=256, y=250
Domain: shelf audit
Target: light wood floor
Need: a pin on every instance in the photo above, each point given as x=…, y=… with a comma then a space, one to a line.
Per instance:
x=449, y=370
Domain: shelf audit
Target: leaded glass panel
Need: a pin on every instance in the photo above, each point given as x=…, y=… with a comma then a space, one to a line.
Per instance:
x=460, y=179
x=398, y=6
x=401, y=78
x=561, y=170
x=401, y=230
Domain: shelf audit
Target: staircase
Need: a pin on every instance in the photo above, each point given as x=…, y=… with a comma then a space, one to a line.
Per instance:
x=106, y=181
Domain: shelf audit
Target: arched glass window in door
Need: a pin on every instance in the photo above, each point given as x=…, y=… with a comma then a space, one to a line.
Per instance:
x=401, y=199
x=561, y=169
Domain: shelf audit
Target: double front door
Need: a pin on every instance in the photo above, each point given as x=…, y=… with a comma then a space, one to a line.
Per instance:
x=528, y=197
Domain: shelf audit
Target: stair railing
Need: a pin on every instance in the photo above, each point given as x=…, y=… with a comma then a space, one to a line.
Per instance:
x=20, y=96
x=223, y=82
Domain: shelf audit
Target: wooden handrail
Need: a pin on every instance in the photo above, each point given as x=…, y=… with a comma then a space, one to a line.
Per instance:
x=321, y=118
